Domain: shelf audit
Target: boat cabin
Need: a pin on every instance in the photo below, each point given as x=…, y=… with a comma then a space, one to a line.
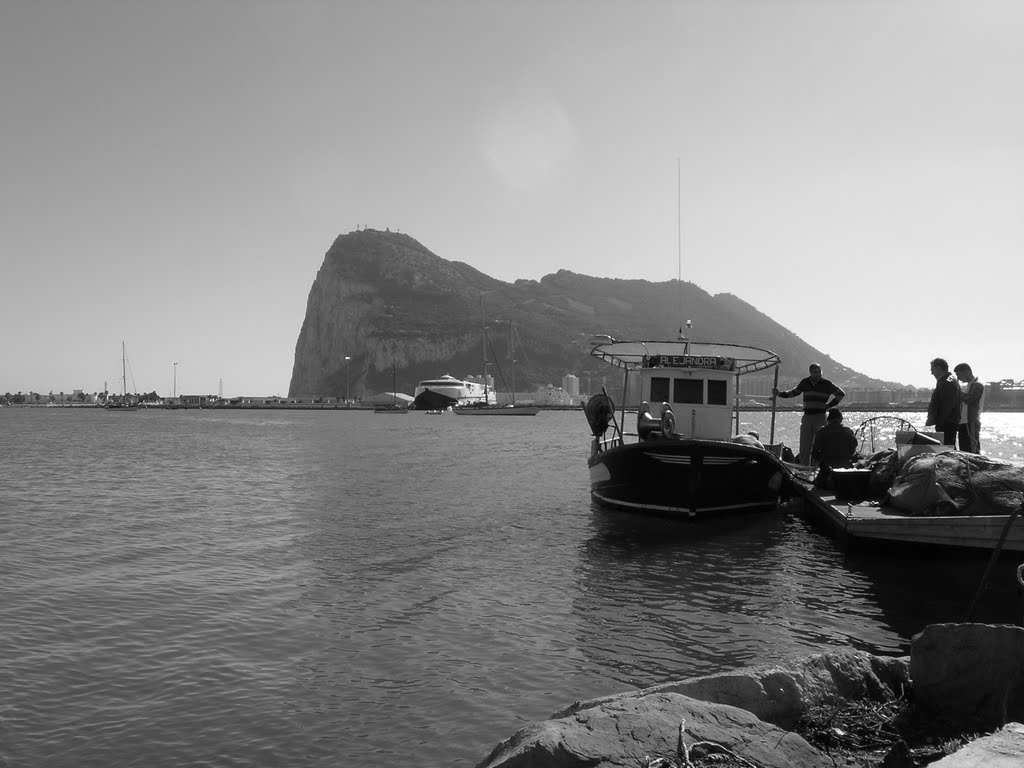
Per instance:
x=699, y=389
x=698, y=381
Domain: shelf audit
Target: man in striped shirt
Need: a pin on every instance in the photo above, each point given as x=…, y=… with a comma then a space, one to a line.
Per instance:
x=820, y=394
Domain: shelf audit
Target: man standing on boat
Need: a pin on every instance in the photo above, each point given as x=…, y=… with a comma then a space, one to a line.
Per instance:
x=944, y=407
x=820, y=394
x=972, y=399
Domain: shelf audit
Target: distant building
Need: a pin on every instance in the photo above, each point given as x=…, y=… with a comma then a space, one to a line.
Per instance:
x=571, y=384
x=551, y=395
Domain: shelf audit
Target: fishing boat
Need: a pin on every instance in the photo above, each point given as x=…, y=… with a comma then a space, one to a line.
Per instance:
x=125, y=403
x=681, y=458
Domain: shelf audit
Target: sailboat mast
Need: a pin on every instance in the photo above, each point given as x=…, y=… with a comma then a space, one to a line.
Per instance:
x=124, y=373
x=512, y=358
x=483, y=337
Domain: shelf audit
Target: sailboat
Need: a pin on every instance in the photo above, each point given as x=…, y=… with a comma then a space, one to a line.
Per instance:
x=486, y=408
x=124, y=404
x=392, y=407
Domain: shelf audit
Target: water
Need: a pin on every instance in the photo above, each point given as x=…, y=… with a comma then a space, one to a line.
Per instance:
x=273, y=588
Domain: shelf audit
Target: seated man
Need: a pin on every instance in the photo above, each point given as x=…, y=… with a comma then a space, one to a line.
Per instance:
x=752, y=438
x=834, y=446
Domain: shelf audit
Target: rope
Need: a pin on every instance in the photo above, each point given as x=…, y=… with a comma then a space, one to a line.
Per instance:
x=992, y=561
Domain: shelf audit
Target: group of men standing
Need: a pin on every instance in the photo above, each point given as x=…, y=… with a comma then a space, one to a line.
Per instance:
x=954, y=410
x=955, y=407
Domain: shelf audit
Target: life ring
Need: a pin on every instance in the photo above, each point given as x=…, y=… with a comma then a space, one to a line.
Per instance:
x=668, y=424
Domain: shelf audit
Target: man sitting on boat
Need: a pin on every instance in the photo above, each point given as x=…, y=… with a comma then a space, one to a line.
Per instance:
x=834, y=446
x=751, y=438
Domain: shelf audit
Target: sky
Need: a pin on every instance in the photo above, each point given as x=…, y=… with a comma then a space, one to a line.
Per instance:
x=174, y=172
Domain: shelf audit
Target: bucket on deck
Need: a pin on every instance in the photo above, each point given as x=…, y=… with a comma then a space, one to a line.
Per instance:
x=851, y=484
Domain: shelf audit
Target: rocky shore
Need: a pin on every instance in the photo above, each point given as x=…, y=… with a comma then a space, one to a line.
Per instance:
x=957, y=700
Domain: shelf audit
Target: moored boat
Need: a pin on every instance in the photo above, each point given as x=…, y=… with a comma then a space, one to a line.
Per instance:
x=126, y=402
x=447, y=392
x=481, y=409
x=682, y=459
x=509, y=409
x=393, y=406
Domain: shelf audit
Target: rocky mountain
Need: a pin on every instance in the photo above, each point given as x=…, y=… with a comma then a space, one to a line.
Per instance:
x=383, y=300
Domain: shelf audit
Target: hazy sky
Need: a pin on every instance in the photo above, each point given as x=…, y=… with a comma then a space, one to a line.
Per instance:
x=173, y=172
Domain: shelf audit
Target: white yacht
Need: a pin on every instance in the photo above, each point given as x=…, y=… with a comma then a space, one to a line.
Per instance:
x=447, y=391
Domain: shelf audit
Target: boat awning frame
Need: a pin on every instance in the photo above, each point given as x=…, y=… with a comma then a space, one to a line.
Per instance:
x=631, y=355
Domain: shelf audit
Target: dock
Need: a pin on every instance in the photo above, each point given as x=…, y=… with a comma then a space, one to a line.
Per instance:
x=856, y=521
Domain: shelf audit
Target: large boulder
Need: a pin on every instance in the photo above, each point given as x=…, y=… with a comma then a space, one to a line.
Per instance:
x=969, y=676
x=957, y=483
x=749, y=711
x=781, y=694
x=626, y=731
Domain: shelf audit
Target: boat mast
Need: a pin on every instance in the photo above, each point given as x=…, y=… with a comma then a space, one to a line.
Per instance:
x=512, y=357
x=124, y=374
x=483, y=338
x=679, y=253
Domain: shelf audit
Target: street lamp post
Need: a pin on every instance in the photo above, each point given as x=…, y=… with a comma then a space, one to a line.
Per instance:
x=347, y=358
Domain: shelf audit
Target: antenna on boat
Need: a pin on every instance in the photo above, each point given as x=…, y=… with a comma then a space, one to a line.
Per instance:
x=679, y=237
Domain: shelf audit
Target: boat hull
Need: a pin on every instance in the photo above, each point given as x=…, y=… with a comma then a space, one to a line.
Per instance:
x=689, y=479
x=491, y=410
x=432, y=400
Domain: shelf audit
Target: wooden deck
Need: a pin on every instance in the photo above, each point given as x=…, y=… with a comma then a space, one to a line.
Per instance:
x=868, y=521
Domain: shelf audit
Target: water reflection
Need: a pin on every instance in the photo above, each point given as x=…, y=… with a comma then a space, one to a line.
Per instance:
x=917, y=588
x=661, y=599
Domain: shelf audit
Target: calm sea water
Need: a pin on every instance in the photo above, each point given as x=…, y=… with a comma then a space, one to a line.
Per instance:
x=279, y=588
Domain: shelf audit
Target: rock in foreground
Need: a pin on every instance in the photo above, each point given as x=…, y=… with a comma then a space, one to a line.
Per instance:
x=960, y=680
x=749, y=712
x=627, y=731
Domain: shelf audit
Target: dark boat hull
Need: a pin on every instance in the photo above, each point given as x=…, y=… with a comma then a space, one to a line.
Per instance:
x=690, y=479
x=498, y=410
x=428, y=400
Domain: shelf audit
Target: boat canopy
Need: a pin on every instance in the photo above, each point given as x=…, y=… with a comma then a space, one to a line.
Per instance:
x=634, y=355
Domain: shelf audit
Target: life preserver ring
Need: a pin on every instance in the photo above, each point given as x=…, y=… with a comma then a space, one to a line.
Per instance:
x=668, y=424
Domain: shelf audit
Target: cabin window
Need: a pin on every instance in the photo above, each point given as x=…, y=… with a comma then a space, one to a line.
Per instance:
x=718, y=393
x=659, y=389
x=689, y=391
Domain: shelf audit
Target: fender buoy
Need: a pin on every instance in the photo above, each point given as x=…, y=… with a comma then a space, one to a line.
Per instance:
x=599, y=411
x=668, y=424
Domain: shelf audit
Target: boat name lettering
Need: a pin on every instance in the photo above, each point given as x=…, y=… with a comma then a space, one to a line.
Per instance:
x=692, y=361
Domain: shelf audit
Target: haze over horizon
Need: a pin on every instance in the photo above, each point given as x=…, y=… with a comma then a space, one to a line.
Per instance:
x=175, y=173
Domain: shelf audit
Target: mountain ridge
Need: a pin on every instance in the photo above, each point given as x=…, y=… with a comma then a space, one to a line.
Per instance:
x=383, y=299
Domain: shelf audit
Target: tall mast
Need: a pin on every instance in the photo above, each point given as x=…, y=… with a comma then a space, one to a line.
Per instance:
x=483, y=337
x=512, y=357
x=679, y=253
x=124, y=373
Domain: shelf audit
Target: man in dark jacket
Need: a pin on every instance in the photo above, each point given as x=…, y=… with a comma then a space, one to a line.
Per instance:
x=834, y=445
x=944, y=408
